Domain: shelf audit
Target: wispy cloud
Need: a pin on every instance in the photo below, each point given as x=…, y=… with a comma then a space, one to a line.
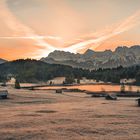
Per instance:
x=31, y=37
x=93, y=40
x=97, y=38
x=21, y=31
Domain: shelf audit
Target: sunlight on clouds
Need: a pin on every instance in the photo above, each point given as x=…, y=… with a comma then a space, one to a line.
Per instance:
x=101, y=36
x=31, y=44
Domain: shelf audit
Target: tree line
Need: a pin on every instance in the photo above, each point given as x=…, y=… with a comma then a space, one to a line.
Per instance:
x=34, y=71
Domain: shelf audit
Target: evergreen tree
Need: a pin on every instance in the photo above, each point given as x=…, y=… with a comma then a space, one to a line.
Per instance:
x=69, y=80
x=122, y=88
x=17, y=84
x=78, y=81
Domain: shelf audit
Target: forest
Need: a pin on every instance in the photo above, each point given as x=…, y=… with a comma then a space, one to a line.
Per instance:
x=35, y=71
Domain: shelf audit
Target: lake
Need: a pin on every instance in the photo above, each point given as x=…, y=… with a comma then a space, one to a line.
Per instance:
x=94, y=88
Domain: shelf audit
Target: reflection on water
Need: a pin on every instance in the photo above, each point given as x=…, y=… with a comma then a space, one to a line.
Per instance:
x=96, y=87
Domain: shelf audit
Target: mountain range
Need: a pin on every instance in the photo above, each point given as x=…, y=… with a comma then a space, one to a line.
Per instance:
x=122, y=56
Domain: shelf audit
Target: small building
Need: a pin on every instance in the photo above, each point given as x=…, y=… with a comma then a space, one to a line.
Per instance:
x=11, y=81
x=59, y=91
x=138, y=100
x=84, y=80
x=56, y=81
x=127, y=81
x=3, y=94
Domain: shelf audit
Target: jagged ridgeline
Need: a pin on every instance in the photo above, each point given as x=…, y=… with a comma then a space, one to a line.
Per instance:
x=35, y=71
x=123, y=56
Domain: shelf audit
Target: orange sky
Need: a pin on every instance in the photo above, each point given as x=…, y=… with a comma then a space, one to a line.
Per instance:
x=32, y=29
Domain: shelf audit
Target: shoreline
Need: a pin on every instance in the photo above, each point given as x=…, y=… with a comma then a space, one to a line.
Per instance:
x=67, y=85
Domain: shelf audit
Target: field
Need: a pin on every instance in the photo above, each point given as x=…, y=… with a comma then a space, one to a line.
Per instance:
x=45, y=115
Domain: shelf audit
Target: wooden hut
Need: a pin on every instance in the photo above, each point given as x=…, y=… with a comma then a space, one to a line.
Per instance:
x=138, y=100
x=59, y=91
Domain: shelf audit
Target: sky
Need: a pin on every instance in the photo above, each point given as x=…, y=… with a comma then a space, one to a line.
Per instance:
x=34, y=28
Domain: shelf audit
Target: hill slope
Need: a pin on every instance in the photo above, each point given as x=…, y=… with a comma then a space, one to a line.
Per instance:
x=2, y=61
x=35, y=71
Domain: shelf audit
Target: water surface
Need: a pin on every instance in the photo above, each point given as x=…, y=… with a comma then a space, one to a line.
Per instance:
x=94, y=88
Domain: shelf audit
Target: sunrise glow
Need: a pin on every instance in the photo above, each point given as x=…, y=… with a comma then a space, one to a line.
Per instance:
x=69, y=26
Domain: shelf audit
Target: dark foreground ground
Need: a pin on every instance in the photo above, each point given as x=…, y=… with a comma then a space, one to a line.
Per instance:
x=44, y=115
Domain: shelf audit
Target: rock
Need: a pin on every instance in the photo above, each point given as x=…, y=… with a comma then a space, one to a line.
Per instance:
x=111, y=97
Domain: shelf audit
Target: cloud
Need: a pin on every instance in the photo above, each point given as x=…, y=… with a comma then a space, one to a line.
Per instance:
x=21, y=31
x=99, y=37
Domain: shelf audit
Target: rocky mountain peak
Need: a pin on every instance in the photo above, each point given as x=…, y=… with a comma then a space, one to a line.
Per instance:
x=92, y=60
x=89, y=52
